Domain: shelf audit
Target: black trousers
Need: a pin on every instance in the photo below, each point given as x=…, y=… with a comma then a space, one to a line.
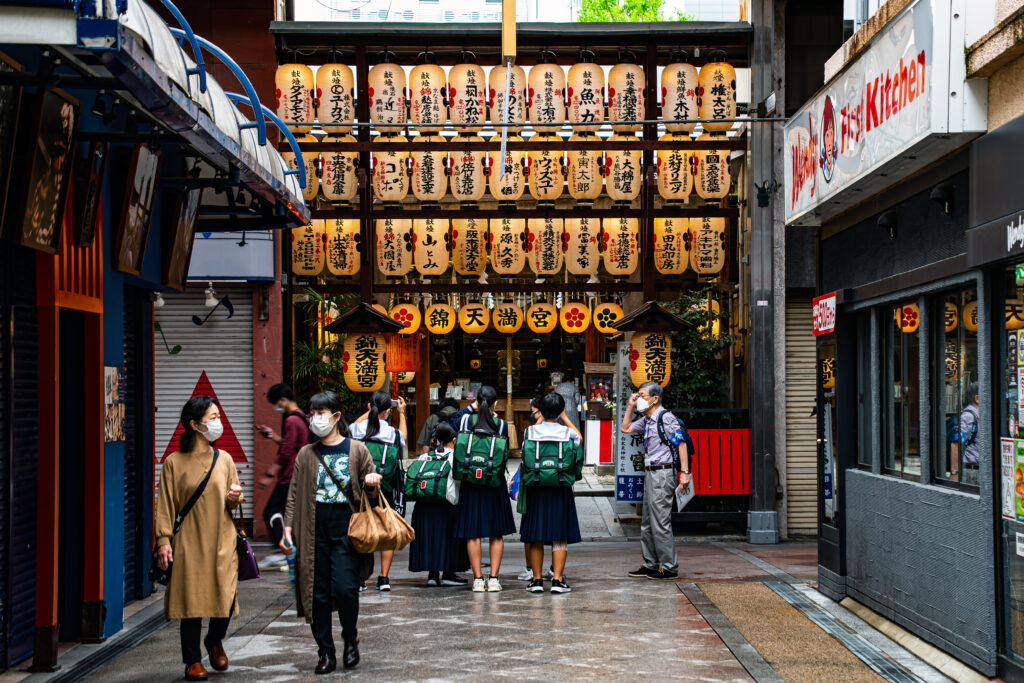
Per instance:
x=275, y=506
x=335, y=576
x=191, y=629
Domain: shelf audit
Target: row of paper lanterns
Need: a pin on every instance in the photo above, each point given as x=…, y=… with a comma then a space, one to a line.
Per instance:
x=908, y=316
x=507, y=245
x=547, y=173
x=507, y=317
x=466, y=97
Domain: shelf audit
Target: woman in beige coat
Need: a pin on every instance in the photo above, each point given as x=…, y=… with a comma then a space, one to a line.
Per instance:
x=320, y=504
x=204, y=580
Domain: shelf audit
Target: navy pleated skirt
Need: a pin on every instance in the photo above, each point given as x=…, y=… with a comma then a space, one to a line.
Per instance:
x=550, y=515
x=484, y=512
x=435, y=548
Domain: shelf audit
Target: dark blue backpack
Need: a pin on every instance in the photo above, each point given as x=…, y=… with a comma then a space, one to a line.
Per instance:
x=682, y=436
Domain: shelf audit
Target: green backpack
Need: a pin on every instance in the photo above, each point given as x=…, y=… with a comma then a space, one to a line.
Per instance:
x=385, y=460
x=551, y=463
x=480, y=458
x=427, y=480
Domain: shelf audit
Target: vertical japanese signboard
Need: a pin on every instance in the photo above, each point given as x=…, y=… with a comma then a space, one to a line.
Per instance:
x=629, y=482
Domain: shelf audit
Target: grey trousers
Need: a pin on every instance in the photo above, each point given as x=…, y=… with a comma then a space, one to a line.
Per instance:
x=656, y=541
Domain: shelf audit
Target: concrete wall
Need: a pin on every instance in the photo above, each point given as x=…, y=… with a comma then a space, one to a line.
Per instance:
x=1006, y=93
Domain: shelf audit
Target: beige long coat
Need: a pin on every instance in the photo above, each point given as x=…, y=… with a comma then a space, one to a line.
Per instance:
x=300, y=515
x=204, y=581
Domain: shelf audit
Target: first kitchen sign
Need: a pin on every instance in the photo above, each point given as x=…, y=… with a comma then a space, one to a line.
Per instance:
x=903, y=101
x=823, y=320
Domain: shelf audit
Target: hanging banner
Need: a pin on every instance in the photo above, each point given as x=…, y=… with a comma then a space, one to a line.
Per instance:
x=629, y=448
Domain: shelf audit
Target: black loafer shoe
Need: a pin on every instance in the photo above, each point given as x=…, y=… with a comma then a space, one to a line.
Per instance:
x=351, y=656
x=326, y=665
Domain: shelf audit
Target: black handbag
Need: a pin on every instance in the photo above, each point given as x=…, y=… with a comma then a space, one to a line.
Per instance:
x=247, y=566
x=163, y=576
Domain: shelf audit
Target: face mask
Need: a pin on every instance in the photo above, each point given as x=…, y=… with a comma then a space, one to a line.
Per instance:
x=279, y=409
x=321, y=425
x=214, y=430
x=642, y=404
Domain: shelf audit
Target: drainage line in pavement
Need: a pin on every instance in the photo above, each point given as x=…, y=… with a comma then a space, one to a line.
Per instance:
x=759, y=563
x=103, y=656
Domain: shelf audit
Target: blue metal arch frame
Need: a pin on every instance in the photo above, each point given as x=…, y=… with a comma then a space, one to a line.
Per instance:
x=200, y=67
x=299, y=169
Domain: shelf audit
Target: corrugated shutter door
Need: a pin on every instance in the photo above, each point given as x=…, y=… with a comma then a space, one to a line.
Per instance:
x=219, y=347
x=5, y=461
x=801, y=426
x=131, y=456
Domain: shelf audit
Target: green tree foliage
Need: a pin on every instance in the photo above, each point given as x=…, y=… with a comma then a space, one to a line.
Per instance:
x=317, y=365
x=698, y=379
x=628, y=11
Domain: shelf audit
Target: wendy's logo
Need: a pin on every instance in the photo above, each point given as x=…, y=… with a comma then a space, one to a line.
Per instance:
x=829, y=141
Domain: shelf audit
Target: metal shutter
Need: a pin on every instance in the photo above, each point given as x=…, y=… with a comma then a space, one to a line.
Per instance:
x=801, y=427
x=5, y=461
x=137, y=438
x=223, y=349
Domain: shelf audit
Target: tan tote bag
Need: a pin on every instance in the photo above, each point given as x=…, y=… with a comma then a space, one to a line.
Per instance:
x=378, y=528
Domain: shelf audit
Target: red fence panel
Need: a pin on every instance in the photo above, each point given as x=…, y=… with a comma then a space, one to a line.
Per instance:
x=722, y=465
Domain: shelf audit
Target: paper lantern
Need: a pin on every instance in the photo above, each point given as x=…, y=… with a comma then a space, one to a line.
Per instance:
x=574, y=317
x=671, y=243
x=679, y=96
x=1014, y=314
x=508, y=317
x=606, y=315
x=541, y=318
x=713, y=310
x=584, y=170
x=581, y=246
x=909, y=318
x=394, y=246
x=428, y=177
x=624, y=171
x=467, y=87
x=508, y=187
x=626, y=85
x=713, y=178
x=427, y=108
x=971, y=316
x=362, y=362
x=294, y=87
x=621, y=253
x=586, y=92
x=432, y=245
x=544, y=170
x=311, y=160
x=516, y=97
x=469, y=245
x=544, y=245
x=468, y=181
x=474, y=318
x=380, y=309
x=950, y=317
x=390, y=172
x=716, y=95
x=707, y=246
x=342, y=246
x=386, y=83
x=547, y=94
x=650, y=358
x=674, y=172
x=508, y=245
x=439, y=318
x=409, y=315
x=308, y=248
x=405, y=377
x=340, y=173
x=334, y=97
x=828, y=373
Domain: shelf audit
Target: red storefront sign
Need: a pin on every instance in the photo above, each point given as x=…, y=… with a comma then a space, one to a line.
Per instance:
x=824, y=314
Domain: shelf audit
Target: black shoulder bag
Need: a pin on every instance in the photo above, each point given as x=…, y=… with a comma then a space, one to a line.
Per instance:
x=163, y=576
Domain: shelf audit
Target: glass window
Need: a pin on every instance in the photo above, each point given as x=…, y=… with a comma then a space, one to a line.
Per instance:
x=830, y=429
x=956, y=387
x=901, y=408
x=864, y=426
x=1010, y=472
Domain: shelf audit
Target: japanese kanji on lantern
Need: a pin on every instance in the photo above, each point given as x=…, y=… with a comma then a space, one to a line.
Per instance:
x=626, y=84
x=407, y=314
x=541, y=317
x=439, y=318
x=429, y=176
x=363, y=357
x=671, y=241
x=581, y=246
x=583, y=171
x=468, y=181
x=950, y=317
x=508, y=317
x=544, y=240
x=716, y=97
x=386, y=82
x=340, y=175
x=574, y=317
x=547, y=94
x=971, y=316
x=405, y=377
x=509, y=187
x=1014, y=314
x=508, y=245
x=390, y=172
x=469, y=245
x=621, y=253
x=294, y=85
x=467, y=87
x=544, y=170
x=342, y=246
x=427, y=106
x=908, y=318
x=394, y=246
x=674, y=172
x=607, y=314
x=586, y=92
x=516, y=96
x=308, y=248
x=713, y=177
x=334, y=98
x=707, y=246
x=623, y=172
x=650, y=358
x=679, y=96
x=311, y=160
x=474, y=318
x=432, y=245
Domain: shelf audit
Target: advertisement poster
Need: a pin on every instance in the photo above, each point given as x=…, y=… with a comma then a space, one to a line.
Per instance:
x=1018, y=478
x=113, y=404
x=1006, y=448
x=629, y=482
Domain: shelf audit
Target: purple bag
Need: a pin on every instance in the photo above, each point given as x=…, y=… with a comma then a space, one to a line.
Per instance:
x=247, y=566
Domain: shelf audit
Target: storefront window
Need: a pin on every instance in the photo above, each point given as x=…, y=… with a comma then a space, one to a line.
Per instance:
x=1009, y=472
x=901, y=409
x=956, y=387
x=864, y=426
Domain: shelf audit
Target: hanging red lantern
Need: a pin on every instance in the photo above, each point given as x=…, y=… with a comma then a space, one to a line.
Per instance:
x=547, y=94
x=544, y=240
x=467, y=87
x=679, y=96
x=427, y=108
x=626, y=84
x=334, y=98
x=342, y=248
x=716, y=96
x=586, y=92
x=432, y=244
x=294, y=86
x=508, y=245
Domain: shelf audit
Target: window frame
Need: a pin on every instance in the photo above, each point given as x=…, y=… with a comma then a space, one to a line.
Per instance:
x=893, y=337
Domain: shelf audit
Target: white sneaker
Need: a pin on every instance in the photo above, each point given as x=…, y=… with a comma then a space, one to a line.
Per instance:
x=493, y=585
x=526, y=575
x=548, y=574
x=479, y=585
x=271, y=561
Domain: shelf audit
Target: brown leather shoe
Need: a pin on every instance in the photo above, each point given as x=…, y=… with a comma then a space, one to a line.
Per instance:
x=218, y=658
x=196, y=672
x=326, y=665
